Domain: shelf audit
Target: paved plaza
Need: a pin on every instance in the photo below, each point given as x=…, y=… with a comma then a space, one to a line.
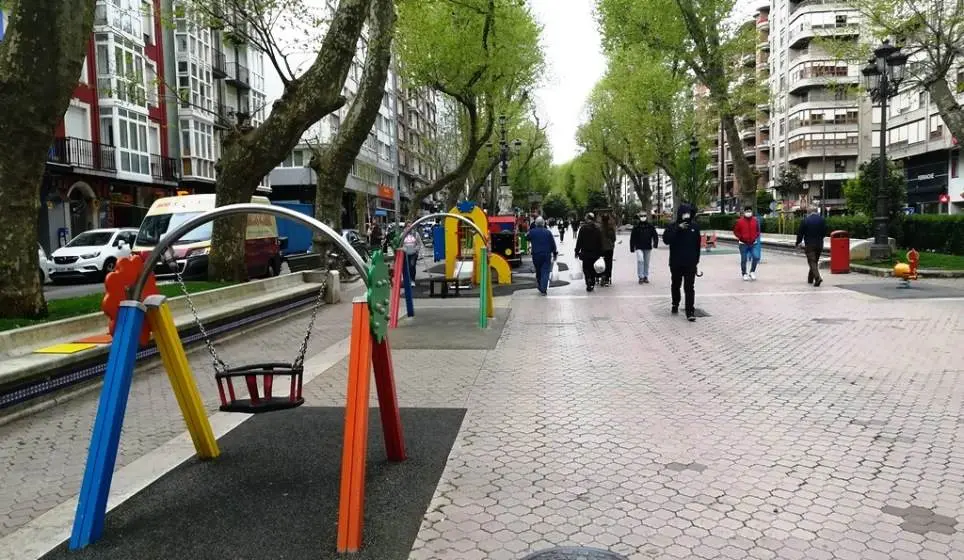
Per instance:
x=787, y=422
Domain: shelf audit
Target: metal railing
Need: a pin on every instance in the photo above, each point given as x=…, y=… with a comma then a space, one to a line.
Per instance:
x=239, y=75
x=84, y=154
x=219, y=66
x=165, y=168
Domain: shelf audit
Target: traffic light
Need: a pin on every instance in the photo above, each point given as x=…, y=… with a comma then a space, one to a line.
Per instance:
x=943, y=198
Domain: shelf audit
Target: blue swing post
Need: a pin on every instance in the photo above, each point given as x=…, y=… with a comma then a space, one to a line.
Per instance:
x=102, y=457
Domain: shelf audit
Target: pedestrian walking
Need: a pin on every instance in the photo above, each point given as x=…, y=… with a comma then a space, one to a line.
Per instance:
x=375, y=236
x=683, y=239
x=575, y=226
x=747, y=232
x=563, y=225
x=608, y=231
x=812, y=231
x=412, y=246
x=642, y=241
x=543, y=246
x=589, y=247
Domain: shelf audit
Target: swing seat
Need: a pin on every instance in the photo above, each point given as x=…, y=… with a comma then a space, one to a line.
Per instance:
x=260, y=398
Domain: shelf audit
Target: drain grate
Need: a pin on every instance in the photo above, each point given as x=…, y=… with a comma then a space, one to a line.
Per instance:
x=574, y=553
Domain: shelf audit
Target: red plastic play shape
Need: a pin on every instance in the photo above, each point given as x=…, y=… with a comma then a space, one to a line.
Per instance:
x=115, y=291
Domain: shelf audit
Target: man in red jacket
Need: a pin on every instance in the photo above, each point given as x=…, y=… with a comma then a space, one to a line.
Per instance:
x=747, y=230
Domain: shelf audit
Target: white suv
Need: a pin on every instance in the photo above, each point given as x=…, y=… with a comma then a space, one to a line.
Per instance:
x=92, y=254
x=44, y=264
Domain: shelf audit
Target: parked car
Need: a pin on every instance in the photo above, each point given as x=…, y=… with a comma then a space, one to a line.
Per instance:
x=92, y=254
x=357, y=242
x=44, y=265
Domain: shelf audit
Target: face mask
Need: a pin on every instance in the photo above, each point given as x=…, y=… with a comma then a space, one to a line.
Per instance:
x=643, y=220
x=685, y=216
x=748, y=214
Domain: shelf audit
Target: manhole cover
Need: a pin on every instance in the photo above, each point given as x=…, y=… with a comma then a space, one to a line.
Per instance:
x=574, y=553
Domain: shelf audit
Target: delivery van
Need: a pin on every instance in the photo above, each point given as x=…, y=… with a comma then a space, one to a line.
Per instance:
x=262, y=247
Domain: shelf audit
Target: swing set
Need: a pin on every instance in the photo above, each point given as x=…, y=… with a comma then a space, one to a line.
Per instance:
x=132, y=295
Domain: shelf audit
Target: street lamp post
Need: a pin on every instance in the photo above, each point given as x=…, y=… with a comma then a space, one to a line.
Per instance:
x=882, y=77
x=506, y=150
x=694, y=153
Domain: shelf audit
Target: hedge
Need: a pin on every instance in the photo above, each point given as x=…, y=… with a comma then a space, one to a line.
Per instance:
x=924, y=232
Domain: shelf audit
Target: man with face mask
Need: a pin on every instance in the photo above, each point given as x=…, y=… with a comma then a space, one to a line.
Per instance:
x=747, y=231
x=642, y=241
x=683, y=239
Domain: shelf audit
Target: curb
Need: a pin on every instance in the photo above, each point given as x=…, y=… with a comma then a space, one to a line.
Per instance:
x=889, y=273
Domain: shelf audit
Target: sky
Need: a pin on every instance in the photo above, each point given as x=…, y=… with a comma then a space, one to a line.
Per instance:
x=574, y=63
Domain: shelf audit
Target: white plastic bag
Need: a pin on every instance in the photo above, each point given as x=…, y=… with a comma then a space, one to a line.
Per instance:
x=599, y=265
x=575, y=274
x=554, y=275
x=640, y=256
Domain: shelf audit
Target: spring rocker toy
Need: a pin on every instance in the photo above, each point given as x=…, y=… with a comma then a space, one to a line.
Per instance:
x=905, y=272
x=131, y=296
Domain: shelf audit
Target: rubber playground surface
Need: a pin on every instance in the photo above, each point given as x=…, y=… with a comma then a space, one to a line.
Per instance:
x=273, y=493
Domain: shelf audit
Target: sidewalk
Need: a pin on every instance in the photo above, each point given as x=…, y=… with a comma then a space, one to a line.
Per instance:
x=787, y=422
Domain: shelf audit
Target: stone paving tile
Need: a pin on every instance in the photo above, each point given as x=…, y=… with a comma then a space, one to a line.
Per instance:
x=756, y=433
x=42, y=456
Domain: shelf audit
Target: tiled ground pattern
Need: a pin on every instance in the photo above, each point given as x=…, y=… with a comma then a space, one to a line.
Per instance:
x=816, y=425
x=789, y=423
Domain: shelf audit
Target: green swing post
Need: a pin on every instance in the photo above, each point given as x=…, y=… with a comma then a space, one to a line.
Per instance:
x=483, y=287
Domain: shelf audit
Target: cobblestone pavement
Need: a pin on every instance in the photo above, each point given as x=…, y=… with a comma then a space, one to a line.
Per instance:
x=789, y=423
x=42, y=456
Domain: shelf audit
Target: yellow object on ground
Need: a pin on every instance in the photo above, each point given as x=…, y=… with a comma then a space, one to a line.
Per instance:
x=902, y=270
x=452, y=248
x=68, y=348
x=182, y=380
x=502, y=267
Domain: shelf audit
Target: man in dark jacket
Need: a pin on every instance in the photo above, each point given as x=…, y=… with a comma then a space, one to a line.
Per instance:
x=589, y=246
x=543, y=246
x=683, y=239
x=608, y=230
x=812, y=231
x=642, y=241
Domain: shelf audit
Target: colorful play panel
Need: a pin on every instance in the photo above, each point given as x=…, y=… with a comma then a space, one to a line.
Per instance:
x=143, y=314
x=66, y=348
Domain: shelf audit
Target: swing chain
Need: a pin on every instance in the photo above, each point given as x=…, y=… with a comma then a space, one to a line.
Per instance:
x=219, y=365
x=300, y=358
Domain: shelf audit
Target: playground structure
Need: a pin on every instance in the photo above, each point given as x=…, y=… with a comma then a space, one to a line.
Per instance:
x=905, y=272
x=506, y=239
x=460, y=243
x=481, y=256
x=133, y=280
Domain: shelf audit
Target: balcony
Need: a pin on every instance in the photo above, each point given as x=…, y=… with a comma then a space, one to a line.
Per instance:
x=238, y=76
x=81, y=154
x=794, y=6
x=748, y=60
x=802, y=33
x=763, y=22
x=165, y=169
x=219, y=68
x=831, y=147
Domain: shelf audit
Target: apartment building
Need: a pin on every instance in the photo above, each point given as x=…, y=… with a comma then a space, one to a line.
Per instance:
x=220, y=82
x=417, y=132
x=114, y=152
x=146, y=117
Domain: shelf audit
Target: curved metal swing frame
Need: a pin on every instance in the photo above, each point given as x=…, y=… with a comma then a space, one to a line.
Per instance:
x=294, y=371
x=459, y=217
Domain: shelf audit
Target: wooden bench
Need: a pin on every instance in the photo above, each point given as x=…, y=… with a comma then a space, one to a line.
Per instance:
x=445, y=282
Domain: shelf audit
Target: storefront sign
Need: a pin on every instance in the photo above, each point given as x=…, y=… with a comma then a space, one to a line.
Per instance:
x=925, y=176
x=386, y=192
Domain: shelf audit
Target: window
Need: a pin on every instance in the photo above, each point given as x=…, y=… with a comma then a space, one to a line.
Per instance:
x=298, y=158
x=107, y=127
x=147, y=21
x=133, y=147
x=840, y=166
x=954, y=162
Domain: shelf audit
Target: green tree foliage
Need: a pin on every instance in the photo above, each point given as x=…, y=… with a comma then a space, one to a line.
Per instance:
x=697, y=35
x=763, y=200
x=693, y=180
x=790, y=183
x=482, y=55
x=861, y=191
x=597, y=200
x=556, y=205
x=931, y=32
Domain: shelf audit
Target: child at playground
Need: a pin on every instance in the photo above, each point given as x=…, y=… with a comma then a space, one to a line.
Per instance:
x=412, y=246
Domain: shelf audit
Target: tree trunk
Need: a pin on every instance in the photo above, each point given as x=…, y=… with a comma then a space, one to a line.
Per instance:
x=948, y=106
x=474, y=144
x=332, y=162
x=251, y=154
x=40, y=59
x=645, y=193
x=741, y=167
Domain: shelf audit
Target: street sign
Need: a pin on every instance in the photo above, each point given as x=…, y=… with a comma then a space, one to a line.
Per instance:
x=908, y=210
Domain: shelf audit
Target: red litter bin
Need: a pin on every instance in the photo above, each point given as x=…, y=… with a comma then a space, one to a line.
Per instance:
x=839, y=252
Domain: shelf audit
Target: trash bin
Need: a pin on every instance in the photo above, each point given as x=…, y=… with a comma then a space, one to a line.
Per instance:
x=839, y=252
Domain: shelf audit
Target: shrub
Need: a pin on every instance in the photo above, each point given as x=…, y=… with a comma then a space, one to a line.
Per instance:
x=930, y=232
